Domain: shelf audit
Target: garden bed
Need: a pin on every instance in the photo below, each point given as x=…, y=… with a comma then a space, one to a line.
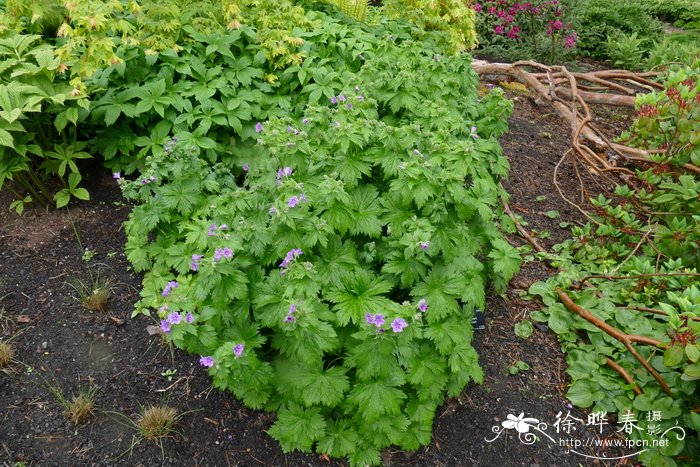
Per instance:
x=60, y=344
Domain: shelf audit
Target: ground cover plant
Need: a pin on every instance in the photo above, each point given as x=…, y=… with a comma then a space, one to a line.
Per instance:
x=625, y=305
x=330, y=271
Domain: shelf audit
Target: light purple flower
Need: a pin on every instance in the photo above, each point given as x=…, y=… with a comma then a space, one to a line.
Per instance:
x=424, y=245
x=360, y=98
x=290, y=129
x=238, y=350
x=348, y=105
x=246, y=167
x=293, y=201
x=169, y=288
x=289, y=319
x=341, y=98
x=334, y=100
x=153, y=179
x=218, y=254
x=165, y=326
x=423, y=305
x=303, y=198
x=272, y=211
x=376, y=320
x=305, y=121
x=207, y=361
x=228, y=253
x=116, y=175
x=490, y=86
x=212, y=229
x=163, y=309
x=398, y=325
x=223, y=227
x=194, y=264
x=292, y=308
x=189, y=318
x=258, y=127
x=473, y=133
x=174, y=318
x=291, y=256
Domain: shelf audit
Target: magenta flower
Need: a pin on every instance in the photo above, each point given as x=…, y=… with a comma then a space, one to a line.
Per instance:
x=238, y=350
x=398, y=325
x=498, y=30
x=477, y=7
x=513, y=33
x=423, y=305
x=570, y=41
x=207, y=361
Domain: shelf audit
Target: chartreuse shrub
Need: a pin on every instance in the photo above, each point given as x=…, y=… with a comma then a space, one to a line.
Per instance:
x=38, y=124
x=329, y=271
x=644, y=250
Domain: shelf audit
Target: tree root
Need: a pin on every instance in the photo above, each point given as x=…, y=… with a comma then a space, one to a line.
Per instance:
x=626, y=339
x=563, y=90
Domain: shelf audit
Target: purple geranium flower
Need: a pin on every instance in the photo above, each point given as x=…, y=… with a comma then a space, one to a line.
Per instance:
x=207, y=361
x=398, y=325
x=292, y=308
x=189, y=318
x=291, y=256
x=116, y=175
x=246, y=167
x=423, y=305
x=174, y=318
x=258, y=127
x=424, y=245
x=334, y=100
x=194, y=264
x=376, y=320
x=238, y=350
x=473, y=133
x=289, y=319
x=165, y=325
x=341, y=98
x=293, y=201
x=228, y=252
x=305, y=121
x=169, y=288
x=212, y=228
x=218, y=254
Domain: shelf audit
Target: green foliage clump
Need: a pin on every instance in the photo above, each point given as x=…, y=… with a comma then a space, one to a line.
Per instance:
x=37, y=109
x=643, y=254
x=596, y=20
x=330, y=270
x=680, y=13
x=455, y=19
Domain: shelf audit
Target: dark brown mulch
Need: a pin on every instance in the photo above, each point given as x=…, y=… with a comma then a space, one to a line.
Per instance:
x=59, y=343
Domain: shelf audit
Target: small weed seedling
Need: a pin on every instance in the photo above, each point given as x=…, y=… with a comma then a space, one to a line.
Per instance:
x=157, y=422
x=88, y=254
x=82, y=405
x=169, y=374
x=93, y=294
x=6, y=353
x=517, y=367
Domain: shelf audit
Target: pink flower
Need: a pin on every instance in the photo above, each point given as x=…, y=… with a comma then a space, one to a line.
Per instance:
x=501, y=14
x=498, y=30
x=570, y=41
x=513, y=33
x=509, y=19
x=477, y=7
x=492, y=10
x=556, y=25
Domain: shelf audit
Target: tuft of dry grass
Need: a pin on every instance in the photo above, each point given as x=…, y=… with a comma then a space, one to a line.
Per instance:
x=6, y=353
x=94, y=294
x=81, y=406
x=157, y=422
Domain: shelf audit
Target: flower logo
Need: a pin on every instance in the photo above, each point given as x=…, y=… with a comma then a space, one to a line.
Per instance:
x=520, y=423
